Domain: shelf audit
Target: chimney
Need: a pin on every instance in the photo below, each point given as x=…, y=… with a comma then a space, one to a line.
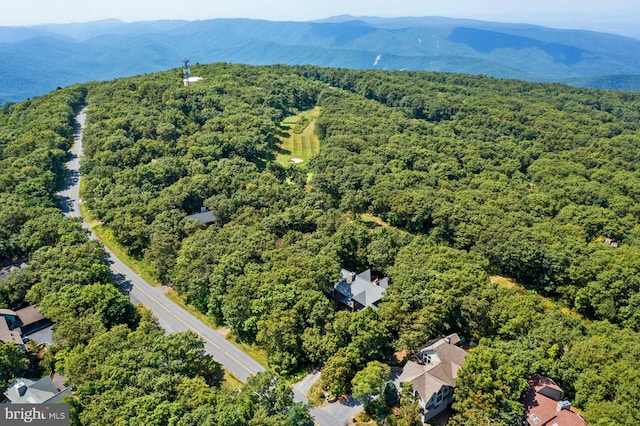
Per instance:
x=352, y=277
x=203, y=209
x=563, y=405
x=21, y=388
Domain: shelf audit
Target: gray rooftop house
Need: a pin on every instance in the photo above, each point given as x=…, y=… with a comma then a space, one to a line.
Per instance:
x=433, y=374
x=28, y=391
x=358, y=291
x=206, y=217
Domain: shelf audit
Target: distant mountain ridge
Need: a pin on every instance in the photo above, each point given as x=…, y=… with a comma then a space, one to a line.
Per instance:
x=38, y=59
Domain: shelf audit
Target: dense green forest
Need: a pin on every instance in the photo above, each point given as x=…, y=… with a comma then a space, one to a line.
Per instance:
x=122, y=367
x=439, y=181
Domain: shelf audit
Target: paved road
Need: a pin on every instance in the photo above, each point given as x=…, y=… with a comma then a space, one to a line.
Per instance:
x=70, y=195
x=172, y=317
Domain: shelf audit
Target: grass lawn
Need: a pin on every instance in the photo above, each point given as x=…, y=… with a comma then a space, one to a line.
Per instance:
x=508, y=283
x=369, y=218
x=298, y=147
x=230, y=382
x=255, y=352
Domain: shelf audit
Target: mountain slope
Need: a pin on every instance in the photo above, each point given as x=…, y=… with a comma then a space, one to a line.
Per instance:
x=39, y=59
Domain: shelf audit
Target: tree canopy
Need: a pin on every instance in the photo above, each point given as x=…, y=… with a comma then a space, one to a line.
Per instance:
x=438, y=181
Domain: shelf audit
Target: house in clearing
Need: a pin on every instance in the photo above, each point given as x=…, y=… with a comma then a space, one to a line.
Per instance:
x=358, y=291
x=433, y=374
x=544, y=405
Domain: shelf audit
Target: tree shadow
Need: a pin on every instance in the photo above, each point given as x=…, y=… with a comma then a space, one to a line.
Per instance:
x=122, y=282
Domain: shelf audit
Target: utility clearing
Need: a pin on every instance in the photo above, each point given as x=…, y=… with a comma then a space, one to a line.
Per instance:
x=298, y=141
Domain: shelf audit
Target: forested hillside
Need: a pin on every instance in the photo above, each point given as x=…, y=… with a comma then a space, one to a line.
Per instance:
x=436, y=180
x=121, y=366
x=439, y=181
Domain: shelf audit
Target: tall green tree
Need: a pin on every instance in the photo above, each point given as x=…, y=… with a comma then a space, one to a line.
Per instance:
x=13, y=362
x=370, y=381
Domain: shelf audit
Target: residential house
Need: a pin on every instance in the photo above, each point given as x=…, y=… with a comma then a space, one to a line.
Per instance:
x=46, y=390
x=9, y=335
x=433, y=373
x=15, y=325
x=206, y=217
x=544, y=405
x=358, y=291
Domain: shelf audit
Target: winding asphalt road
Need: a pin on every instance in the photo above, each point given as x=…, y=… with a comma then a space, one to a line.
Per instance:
x=172, y=317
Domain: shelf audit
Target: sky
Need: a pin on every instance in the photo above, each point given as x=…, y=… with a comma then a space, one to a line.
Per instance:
x=618, y=16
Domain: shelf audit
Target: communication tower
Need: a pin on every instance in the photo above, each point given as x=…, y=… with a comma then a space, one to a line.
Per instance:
x=186, y=71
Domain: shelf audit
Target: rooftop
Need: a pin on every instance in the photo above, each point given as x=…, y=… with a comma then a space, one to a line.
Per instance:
x=359, y=289
x=438, y=366
x=16, y=324
x=30, y=391
x=544, y=404
x=205, y=217
x=190, y=80
x=30, y=315
x=8, y=335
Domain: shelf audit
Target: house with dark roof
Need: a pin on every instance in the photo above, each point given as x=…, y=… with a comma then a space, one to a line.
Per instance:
x=358, y=291
x=432, y=374
x=544, y=405
x=47, y=390
x=15, y=325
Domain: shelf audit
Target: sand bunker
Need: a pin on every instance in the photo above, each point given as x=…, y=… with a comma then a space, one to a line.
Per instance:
x=296, y=160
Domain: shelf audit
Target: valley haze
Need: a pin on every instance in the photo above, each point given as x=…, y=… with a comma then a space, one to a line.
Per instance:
x=41, y=58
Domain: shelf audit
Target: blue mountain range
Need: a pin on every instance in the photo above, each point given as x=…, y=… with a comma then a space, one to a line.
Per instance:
x=39, y=59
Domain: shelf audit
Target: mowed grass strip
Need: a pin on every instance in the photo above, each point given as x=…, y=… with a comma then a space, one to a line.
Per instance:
x=303, y=145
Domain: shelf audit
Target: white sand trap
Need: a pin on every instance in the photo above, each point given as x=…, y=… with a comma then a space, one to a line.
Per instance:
x=296, y=160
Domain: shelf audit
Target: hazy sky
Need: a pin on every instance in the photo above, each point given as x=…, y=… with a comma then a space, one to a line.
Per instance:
x=611, y=15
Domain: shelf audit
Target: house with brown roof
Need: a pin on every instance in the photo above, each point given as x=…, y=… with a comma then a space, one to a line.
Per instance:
x=433, y=374
x=9, y=335
x=15, y=325
x=544, y=405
